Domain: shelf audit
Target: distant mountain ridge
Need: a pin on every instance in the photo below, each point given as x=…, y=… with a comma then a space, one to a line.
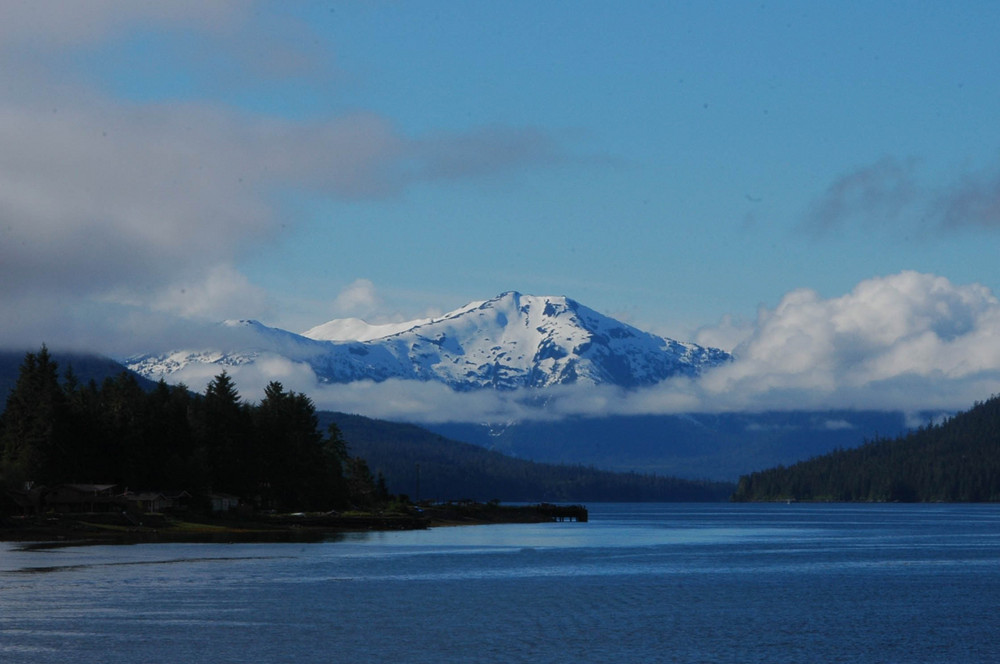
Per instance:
x=507, y=342
x=695, y=446
x=424, y=465
x=717, y=446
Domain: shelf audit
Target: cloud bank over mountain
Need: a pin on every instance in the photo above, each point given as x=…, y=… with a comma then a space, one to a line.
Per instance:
x=909, y=341
x=164, y=166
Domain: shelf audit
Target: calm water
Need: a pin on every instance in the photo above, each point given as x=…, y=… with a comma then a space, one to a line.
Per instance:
x=639, y=583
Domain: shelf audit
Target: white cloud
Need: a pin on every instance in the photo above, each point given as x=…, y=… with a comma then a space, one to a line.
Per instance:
x=359, y=299
x=909, y=341
x=251, y=379
x=727, y=334
x=224, y=293
x=904, y=323
x=151, y=204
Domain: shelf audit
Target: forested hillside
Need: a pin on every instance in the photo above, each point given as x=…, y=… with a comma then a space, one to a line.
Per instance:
x=718, y=446
x=426, y=465
x=93, y=367
x=58, y=428
x=956, y=460
x=55, y=429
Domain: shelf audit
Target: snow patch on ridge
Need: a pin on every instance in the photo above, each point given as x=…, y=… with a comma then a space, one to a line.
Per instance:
x=355, y=329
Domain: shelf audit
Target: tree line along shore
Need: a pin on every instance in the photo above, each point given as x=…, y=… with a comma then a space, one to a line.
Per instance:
x=271, y=455
x=211, y=467
x=954, y=460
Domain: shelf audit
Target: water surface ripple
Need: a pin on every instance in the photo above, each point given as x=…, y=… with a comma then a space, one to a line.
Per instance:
x=638, y=583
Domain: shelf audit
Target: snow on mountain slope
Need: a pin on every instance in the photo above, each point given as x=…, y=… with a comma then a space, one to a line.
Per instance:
x=510, y=341
x=519, y=340
x=249, y=341
x=355, y=329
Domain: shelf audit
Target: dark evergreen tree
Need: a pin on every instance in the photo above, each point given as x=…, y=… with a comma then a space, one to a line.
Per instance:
x=225, y=435
x=288, y=447
x=34, y=427
x=272, y=454
x=168, y=441
x=122, y=452
x=335, y=457
x=85, y=454
x=361, y=490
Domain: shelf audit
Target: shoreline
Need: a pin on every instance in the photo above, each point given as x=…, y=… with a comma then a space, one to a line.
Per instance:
x=65, y=530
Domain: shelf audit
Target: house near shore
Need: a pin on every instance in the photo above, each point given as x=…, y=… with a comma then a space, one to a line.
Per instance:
x=26, y=501
x=92, y=499
x=224, y=502
x=155, y=501
x=82, y=498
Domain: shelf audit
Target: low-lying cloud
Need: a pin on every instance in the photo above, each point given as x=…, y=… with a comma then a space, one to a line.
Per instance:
x=910, y=342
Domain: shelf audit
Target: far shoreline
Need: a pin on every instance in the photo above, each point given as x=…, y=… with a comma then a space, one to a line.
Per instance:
x=67, y=530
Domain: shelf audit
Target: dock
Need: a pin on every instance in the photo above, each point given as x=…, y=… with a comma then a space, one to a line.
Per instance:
x=468, y=511
x=564, y=512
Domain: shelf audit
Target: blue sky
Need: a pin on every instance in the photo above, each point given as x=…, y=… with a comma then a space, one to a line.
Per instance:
x=684, y=166
x=687, y=147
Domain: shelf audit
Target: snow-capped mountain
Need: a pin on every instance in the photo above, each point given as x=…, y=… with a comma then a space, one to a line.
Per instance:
x=510, y=341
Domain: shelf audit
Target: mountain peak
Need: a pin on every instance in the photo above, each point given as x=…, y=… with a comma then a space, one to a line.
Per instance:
x=542, y=305
x=512, y=340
